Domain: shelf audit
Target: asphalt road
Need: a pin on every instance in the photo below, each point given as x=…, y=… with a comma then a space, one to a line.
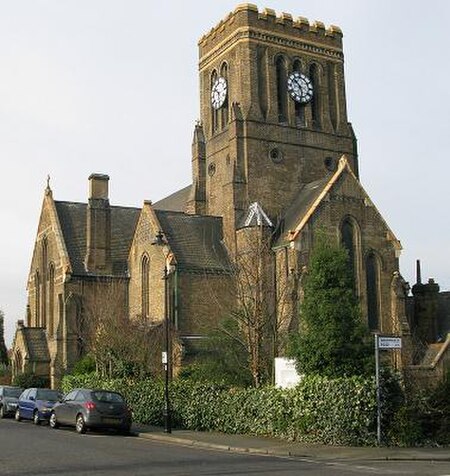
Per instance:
x=31, y=450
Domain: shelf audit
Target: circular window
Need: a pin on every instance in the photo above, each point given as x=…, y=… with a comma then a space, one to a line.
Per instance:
x=211, y=169
x=330, y=163
x=275, y=155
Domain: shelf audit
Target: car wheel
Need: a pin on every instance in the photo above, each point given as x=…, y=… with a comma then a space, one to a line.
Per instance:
x=2, y=412
x=53, y=422
x=36, y=419
x=80, y=424
x=17, y=415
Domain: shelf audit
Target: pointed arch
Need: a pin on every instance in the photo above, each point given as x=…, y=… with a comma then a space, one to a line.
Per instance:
x=44, y=283
x=51, y=299
x=373, y=267
x=281, y=78
x=214, y=112
x=314, y=75
x=350, y=237
x=145, y=285
x=37, y=299
x=224, y=110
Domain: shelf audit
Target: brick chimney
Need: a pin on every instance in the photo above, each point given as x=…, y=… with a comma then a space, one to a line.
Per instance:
x=98, y=231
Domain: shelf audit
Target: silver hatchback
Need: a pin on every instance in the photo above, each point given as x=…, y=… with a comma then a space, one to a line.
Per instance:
x=88, y=408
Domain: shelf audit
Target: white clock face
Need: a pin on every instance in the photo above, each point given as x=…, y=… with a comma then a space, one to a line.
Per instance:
x=219, y=92
x=299, y=87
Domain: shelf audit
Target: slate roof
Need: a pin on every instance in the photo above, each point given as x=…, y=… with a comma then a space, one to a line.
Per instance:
x=304, y=200
x=36, y=343
x=175, y=202
x=196, y=241
x=72, y=217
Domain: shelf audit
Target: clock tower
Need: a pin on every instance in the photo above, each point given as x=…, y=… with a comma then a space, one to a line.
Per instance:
x=273, y=113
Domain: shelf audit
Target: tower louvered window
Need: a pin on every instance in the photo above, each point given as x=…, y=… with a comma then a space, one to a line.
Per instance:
x=281, y=74
x=315, y=102
x=214, y=111
x=224, y=110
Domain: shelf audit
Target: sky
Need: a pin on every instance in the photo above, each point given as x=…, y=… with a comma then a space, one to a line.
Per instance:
x=111, y=86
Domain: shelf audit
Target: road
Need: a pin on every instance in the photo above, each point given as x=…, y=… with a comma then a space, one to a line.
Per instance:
x=28, y=450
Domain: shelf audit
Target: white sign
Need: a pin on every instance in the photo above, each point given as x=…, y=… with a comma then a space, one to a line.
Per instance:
x=164, y=357
x=389, y=342
x=286, y=375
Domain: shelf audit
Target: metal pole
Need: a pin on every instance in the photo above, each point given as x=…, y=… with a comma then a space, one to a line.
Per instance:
x=378, y=390
x=167, y=420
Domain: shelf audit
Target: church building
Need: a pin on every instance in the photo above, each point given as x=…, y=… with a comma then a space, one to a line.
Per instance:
x=274, y=157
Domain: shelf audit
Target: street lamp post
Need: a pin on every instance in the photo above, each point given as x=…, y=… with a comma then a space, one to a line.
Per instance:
x=166, y=359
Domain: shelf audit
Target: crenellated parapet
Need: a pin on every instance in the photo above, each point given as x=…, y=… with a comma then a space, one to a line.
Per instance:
x=246, y=21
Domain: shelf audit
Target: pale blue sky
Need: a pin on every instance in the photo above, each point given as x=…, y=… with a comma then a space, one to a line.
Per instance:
x=111, y=86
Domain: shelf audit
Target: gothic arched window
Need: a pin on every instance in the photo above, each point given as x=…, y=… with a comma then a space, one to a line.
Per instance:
x=372, y=287
x=281, y=74
x=348, y=242
x=37, y=299
x=299, y=108
x=224, y=110
x=51, y=299
x=350, y=239
x=214, y=111
x=315, y=102
x=44, y=275
x=145, y=286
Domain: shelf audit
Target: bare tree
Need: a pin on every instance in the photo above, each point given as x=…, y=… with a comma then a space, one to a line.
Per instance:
x=119, y=345
x=260, y=309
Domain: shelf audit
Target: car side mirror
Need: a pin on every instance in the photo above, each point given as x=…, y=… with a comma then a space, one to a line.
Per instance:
x=32, y=399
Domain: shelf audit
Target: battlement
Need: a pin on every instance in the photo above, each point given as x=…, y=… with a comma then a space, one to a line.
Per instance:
x=247, y=17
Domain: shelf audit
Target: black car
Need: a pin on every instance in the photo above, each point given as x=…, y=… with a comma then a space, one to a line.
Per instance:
x=9, y=397
x=87, y=408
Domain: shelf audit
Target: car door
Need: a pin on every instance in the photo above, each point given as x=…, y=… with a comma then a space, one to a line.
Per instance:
x=65, y=410
x=29, y=404
x=21, y=404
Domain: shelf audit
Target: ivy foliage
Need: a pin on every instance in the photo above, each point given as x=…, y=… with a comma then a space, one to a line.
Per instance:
x=332, y=340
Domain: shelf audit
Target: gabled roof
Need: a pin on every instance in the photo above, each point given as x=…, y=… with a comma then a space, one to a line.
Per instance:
x=73, y=219
x=310, y=198
x=176, y=202
x=36, y=344
x=195, y=240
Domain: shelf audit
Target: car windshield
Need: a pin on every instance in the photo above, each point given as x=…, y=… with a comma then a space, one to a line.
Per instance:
x=12, y=392
x=109, y=397
x=48, y=395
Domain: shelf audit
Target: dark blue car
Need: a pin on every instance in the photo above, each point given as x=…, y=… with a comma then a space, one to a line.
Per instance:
x=36, y=404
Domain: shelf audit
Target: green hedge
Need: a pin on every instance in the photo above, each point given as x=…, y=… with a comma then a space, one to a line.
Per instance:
x=319, y=410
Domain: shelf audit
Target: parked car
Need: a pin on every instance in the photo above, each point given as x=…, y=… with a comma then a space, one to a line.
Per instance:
x=87, y=408
x=9, y=397
x=36, y=404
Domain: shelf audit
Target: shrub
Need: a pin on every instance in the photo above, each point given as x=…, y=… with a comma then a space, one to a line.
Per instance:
x=28, y=379
x=320, y=410
x=85, y=365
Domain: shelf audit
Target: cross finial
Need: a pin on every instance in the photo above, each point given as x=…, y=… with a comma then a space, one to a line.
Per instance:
x=48, y=189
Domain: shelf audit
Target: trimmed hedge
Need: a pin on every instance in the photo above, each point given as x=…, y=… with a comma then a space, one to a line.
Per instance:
x=319, y=410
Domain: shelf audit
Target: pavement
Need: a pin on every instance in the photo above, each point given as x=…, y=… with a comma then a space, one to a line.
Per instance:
x=276, y=447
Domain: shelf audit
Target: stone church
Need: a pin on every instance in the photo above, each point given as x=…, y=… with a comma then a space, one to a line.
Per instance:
x=273, y=155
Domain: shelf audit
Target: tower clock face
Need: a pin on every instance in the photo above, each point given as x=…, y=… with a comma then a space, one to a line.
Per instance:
x=300, y=87
x=219, y=92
